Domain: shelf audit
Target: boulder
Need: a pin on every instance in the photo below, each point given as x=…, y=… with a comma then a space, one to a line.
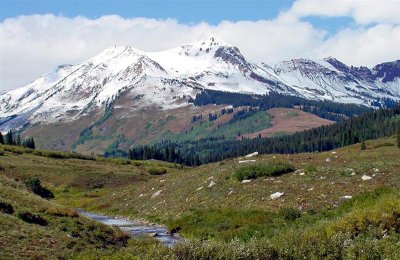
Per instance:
x=156, y=194
x=276, y=195
x=212, y=183
x=251, y=155
x=247, y=161
x=366, y=178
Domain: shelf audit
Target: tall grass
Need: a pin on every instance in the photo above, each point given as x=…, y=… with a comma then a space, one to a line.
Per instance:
x=274, y=168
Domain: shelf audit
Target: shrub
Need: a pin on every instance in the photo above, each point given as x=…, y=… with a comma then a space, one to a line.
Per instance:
x=383, y=145
x=310, y=169
x=289, y=214
x=6, y=207
x=157, y=171
x=1, y=152
x=36, y=187
x=274, y=168
x=32, y=218
x=363, y=145
x=62, y=212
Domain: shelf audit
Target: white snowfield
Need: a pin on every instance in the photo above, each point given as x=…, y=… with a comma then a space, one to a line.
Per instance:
x=167, y=79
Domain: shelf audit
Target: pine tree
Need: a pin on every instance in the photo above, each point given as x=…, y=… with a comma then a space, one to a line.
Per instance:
x=32, y=144
x=9, y=139
x=18, y=140
x=1, y=139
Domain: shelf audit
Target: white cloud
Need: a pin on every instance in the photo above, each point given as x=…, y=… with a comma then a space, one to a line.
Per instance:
x=364, y=46
x=33, y=45
x=362, y=11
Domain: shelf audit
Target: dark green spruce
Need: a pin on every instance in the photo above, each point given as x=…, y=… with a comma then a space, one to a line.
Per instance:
x=371, y=125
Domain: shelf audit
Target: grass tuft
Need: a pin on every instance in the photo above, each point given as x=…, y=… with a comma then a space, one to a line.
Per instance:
x=274, y=168
x=156, y=171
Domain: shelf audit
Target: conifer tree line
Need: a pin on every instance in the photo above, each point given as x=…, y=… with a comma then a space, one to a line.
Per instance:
x=325, y=109
x=15, y=139
x=372, y=125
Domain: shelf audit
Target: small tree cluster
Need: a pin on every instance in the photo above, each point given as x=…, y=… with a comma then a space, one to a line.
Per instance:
x=15, y=139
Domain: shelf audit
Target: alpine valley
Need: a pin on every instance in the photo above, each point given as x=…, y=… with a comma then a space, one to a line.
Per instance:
x=124, y=97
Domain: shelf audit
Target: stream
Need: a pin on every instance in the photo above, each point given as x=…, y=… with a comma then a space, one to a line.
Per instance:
x=135, y=227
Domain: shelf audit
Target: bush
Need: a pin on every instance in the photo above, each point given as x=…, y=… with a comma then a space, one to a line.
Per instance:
x=289, y=214
x=274, y=168
x=6, y=207
x=363, y=145
x=310, y=169
x=32, y=218
x=36, y=187
x=62, y=212
x=1, y=152
x=61, y=155
x=157, y=171
x=383, y=145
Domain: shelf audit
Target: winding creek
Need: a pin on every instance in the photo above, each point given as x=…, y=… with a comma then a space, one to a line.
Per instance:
x=135, y=227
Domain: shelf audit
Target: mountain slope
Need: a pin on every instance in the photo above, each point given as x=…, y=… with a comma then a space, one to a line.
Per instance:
x=168, y=77
x=127, y=94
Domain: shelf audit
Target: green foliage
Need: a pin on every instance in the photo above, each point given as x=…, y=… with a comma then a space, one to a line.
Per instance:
x=62, y=212
x=398, y=138
x=157, y=171
x=15, y=139
x=32, y=218
x=309, y=168
x=36, y=187
x=87, y=133
x=243, y=122
x=9, y=138
x=6, y=207
x=1, y=152
x=366, y=227
x=325, y=109
x=371, y=125
x=386, y=144
x=274, y=168
x=62, y=155
x=289, y=214
x=291, y=114
x=363, y=145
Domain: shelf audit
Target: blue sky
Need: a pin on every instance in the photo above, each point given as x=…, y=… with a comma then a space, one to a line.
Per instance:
x=38, y=35
x=184, y=11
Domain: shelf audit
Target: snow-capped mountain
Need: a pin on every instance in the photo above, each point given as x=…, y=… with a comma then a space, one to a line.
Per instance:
x=168, y=79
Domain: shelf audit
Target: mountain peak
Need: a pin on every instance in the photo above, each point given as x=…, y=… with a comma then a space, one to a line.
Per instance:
x=115, y=51
x=213, y=41
x=205, y=46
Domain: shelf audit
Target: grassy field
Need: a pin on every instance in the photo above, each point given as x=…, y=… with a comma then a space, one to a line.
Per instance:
x=327, y=210
x=35, y=228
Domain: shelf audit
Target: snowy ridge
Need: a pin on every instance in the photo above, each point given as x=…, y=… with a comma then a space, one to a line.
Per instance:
x=167, y=79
